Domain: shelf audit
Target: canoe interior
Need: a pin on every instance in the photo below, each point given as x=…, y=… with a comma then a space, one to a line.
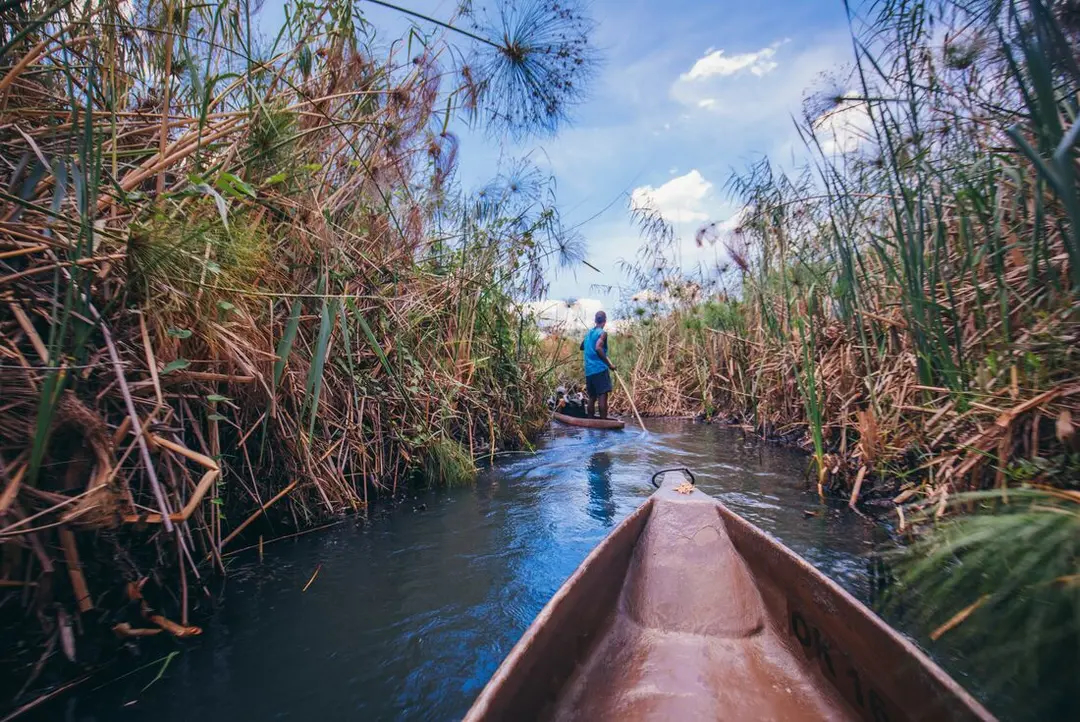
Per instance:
x=686, y=611
x=589, y=423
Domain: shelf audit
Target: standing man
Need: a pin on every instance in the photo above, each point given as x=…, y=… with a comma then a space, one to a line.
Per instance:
x=597, y=365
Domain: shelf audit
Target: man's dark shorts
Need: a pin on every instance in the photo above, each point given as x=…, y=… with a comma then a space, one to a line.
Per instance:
x=598, y=384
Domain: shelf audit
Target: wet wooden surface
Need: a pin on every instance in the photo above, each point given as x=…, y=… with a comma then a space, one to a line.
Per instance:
x=686, y=611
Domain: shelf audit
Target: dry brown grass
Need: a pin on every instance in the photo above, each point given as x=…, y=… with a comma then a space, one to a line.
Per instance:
x=254, y=285
x=907, y=311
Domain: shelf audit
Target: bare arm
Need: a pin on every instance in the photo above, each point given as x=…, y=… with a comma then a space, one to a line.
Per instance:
x=600, y=343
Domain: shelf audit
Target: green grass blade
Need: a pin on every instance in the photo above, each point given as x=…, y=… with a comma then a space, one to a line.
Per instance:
x=284, y=347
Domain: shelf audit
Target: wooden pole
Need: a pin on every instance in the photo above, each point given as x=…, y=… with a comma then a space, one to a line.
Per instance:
x=631, y=397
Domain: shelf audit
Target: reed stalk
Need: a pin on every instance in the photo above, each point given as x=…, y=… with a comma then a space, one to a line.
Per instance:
x=905, y=308
x=241, y=285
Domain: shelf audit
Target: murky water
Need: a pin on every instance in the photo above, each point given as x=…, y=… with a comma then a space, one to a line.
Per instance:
x=410, y=614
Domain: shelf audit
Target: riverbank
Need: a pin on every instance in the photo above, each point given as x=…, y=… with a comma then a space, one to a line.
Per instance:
x=451, y=587
x=923, y=328
x=907, y=305
x=242, y=291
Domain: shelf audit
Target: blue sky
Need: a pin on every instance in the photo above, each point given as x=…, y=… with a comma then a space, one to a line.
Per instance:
x=686, y=93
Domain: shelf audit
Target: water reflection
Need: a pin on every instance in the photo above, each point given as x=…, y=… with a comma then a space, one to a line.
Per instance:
x=412, y=613
x=601, y=505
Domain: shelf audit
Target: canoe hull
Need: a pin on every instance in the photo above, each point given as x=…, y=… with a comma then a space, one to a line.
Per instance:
x=589, y=423
x=687, y=611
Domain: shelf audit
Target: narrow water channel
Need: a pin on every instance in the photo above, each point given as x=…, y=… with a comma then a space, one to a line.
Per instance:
x=411, y=613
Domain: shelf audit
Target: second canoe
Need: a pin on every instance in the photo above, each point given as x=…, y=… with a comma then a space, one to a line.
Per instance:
x=589, y=422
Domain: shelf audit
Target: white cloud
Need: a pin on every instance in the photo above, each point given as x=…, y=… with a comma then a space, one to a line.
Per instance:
x=717, y=63
x=752, y=115
x=762, y=105
x=681, y=200
x=569, y=315
x=844, y=128
x=734, y=220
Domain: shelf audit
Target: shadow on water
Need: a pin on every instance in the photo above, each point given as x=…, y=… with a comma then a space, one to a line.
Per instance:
x=412, y=613
x=601, y=507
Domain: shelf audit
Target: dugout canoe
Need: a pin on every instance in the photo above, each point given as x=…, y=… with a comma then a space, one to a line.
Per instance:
x=686, y=611
x=589, y=423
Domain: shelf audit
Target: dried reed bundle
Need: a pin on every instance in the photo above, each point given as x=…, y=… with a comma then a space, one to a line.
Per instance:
x=238, y=272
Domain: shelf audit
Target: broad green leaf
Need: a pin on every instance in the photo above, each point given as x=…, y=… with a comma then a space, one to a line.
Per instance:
x=178, y=364
x=315, y=375
x=286, y=343
x=375, y=345
x=219, y=200
x=234, y=186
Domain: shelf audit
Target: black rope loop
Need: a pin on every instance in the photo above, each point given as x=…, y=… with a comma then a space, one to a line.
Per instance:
x=677, y=468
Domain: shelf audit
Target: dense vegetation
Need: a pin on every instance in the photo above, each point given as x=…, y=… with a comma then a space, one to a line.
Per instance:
x=908, y=306
x=238, y=272
x=239, y=281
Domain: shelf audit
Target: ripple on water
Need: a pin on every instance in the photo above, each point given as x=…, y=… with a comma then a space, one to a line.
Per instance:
x=411, y=613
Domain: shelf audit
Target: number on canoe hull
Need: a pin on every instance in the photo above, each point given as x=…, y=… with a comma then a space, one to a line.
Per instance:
x=841, y=670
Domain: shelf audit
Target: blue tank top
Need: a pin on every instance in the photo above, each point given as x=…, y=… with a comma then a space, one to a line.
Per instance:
x=593, y=364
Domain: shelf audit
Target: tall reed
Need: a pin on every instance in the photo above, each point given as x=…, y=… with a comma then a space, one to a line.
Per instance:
x=907, y=307
x=917, y=284
x=239, y=273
